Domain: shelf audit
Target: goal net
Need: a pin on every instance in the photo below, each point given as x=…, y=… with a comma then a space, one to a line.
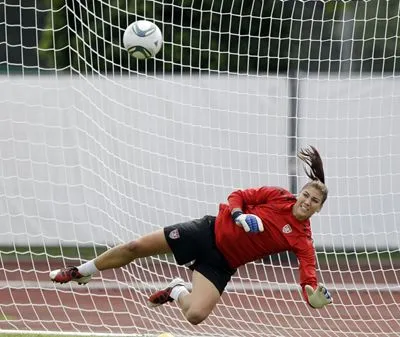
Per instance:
x=98, y=148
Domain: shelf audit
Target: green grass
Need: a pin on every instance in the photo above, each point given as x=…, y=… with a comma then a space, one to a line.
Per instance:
x=362, y=257
x=20, y=252
x=90, y=252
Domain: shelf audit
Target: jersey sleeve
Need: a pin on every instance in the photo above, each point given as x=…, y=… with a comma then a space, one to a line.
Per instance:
x=252, y=196
x=307, y=266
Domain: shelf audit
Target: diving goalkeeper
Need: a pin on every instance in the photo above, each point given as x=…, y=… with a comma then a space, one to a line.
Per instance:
x=254, y=223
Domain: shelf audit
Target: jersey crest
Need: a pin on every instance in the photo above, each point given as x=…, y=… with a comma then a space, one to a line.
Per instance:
x=287, y=229
x=174, y=234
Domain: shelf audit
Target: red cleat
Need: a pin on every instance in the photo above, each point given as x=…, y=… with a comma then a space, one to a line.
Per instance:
x=163, y=296
x=65, y=275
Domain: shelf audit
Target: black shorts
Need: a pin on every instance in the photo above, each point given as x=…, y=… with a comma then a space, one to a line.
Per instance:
x=193, y=243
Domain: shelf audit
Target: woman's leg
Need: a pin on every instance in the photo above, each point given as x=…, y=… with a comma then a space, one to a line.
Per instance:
x=148, y=245
x=198, y=304
x=118, y=256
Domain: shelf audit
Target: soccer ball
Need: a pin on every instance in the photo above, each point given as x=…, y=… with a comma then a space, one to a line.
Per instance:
x=142, y=39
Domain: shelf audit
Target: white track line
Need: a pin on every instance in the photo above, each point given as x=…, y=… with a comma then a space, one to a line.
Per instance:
x=232, y=286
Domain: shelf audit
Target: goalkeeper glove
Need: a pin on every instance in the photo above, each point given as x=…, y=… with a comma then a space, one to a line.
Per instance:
x=319, y=297
x=250, y=222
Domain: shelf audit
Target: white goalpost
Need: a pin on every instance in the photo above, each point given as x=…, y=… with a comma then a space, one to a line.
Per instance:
x=98, y=148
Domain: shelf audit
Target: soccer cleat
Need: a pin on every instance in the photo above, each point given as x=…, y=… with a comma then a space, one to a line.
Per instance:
x=163, y=296
x=65, y=275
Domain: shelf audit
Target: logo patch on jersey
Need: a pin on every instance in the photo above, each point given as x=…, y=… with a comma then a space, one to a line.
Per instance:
x=174, y=234
x=287, y=229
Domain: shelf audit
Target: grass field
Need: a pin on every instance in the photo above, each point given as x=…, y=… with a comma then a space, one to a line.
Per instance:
x=87, y=253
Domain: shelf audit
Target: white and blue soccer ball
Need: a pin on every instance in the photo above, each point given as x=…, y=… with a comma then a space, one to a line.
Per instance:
x=143, y=39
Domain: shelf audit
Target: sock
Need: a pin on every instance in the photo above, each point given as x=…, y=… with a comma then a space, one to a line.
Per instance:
x=178, y=291
x=88, y=268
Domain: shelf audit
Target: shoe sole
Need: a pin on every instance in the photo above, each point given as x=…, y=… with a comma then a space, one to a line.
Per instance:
x=81, y=281
x=172, y=284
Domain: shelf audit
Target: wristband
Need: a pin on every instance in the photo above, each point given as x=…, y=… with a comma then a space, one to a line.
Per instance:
x=236, y=214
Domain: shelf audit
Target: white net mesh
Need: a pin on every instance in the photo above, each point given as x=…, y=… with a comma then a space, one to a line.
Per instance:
x=98, y=148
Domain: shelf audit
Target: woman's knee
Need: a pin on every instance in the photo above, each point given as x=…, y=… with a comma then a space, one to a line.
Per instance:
x=196, y=316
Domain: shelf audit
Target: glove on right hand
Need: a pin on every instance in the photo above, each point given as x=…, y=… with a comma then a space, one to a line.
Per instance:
x=319, y=297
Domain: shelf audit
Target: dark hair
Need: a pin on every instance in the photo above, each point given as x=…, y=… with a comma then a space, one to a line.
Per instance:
x=312, y=159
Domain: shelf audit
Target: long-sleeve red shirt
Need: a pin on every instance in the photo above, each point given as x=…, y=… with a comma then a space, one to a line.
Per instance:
x=282, y=231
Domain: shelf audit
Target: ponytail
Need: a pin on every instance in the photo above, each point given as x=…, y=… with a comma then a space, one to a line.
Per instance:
x=312, y=159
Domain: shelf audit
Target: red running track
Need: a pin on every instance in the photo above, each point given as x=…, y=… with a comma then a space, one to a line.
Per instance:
x=258, y=302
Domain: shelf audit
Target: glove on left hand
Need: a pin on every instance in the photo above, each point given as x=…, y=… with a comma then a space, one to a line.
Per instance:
x=250, y=222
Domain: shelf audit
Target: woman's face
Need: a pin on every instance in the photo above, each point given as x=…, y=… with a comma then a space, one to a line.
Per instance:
x=308, y=202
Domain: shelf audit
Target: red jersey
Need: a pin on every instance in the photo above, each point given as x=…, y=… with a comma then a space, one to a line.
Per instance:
x=282, y=231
